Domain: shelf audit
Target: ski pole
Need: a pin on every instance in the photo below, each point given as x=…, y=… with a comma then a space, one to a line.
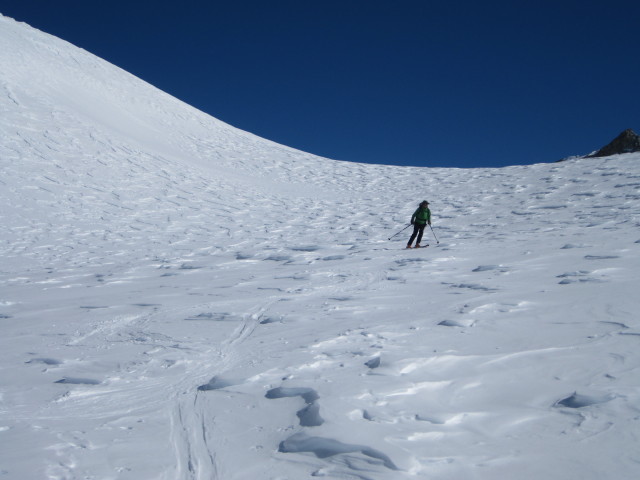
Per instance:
x=400, y=231
x=434, y=234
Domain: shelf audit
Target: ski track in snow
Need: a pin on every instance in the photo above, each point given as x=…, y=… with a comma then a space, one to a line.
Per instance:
x=183, y=300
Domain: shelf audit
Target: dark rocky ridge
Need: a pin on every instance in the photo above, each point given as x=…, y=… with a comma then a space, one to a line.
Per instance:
x=627, y=142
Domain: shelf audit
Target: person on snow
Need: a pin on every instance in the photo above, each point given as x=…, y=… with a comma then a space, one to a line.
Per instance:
x=420, y=219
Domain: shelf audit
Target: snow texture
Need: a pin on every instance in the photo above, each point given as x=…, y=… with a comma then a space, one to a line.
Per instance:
x=180, y=299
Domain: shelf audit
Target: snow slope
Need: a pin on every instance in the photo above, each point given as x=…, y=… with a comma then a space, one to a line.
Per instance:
x=180, y=299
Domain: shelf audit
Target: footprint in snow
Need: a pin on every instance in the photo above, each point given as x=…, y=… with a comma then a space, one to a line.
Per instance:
x=210, y=316
x=334, y=257
x=279, y=258
x=309, y=248
x=408, y=261
x=267, y=320
x=216, y=383
x=472, y=286
x=488, y=268
x=78, y=381
x=568, y=281
x=186, y=266
x=45, y=361
x=457, y=323
x=580, y=276
x=573, y=245
x=585, y=194
x=341, y=299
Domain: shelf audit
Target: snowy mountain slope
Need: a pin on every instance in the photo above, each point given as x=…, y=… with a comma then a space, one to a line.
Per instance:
x=183, y=300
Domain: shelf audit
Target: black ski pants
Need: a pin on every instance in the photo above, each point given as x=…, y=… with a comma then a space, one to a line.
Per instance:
x=418, y=230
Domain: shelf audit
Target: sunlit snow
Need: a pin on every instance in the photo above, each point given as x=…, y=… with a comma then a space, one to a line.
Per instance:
x=180, y=299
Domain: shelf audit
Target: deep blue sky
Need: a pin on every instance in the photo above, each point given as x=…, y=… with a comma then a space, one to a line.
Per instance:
x=463, y=83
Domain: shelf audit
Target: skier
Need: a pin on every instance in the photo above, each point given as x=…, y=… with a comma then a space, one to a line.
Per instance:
x=420, y=219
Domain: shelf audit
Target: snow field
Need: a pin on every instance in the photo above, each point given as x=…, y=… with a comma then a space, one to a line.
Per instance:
x=183, y=300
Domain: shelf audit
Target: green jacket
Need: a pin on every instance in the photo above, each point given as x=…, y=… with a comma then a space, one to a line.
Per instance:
x=421, y=216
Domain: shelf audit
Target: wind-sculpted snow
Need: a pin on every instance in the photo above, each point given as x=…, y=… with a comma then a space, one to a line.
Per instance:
x=309, y=416
x=183, y=300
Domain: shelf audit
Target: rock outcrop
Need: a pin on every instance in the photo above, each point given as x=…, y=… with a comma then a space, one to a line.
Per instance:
x=627, y=142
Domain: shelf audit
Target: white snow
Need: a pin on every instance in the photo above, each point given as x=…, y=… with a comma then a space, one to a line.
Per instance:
x=180, y=299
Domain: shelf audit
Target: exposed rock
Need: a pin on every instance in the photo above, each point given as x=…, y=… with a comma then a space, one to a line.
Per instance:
x=627, y=142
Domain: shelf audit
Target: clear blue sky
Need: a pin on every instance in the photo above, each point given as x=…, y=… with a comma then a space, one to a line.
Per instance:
x=408, y=82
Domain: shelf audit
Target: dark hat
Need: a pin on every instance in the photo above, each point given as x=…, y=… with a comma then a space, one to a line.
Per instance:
x=423, y=202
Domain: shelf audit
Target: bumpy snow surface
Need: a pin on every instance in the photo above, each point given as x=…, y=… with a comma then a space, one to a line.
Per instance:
x=183, y=300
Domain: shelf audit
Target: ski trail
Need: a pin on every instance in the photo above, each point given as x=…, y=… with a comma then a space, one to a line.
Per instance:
x=193, y=419
x=195, y=458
